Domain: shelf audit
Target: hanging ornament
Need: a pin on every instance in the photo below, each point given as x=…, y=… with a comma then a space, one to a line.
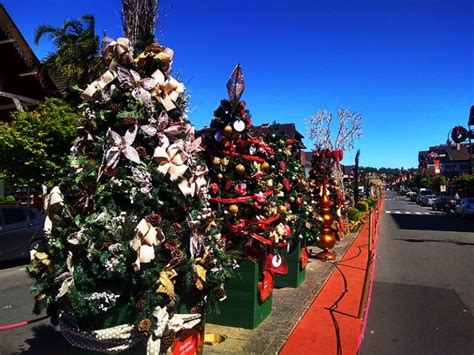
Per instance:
x=234, y=209
x=228, y=130
x=240, y=169
x=239, y=125
x=235, y=86
x=265, y=166
x=282, y=209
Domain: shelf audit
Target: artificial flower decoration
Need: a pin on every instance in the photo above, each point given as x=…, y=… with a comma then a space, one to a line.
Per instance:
x=121, y=145
x=130, y=79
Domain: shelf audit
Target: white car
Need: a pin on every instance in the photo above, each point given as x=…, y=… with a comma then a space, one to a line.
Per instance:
x=465, y=207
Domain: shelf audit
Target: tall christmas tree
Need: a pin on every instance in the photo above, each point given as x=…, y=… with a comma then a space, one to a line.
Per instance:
x=242, y=186
x=132, y=241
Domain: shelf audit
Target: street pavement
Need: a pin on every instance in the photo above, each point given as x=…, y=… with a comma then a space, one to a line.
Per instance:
x=423, y=293
x=16, y=305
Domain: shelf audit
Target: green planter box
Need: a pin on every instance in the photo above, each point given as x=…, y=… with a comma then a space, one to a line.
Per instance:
x=242, y=307
x=296, y=274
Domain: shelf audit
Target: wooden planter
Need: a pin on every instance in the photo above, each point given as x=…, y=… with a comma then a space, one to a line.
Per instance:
x=242, y=307
x=296, y=268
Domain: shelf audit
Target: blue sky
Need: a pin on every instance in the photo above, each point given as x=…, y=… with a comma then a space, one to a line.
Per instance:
x=406, y=65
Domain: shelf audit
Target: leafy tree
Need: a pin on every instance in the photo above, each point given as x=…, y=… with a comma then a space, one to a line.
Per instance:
x=34, y=145
x=77, y=56
x=464, y=185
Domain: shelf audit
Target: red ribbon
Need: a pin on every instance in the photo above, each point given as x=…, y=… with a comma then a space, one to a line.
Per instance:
x=238, y=199
x=244, y=156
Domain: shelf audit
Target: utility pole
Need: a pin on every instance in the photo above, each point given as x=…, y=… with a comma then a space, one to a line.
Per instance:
x=470, y=122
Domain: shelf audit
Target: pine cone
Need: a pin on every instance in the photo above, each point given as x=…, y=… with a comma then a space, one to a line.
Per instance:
x=154, y=219
x=176, y=228
x=141, y=151
x=116, y=107
x=167, y=339
x=108, y=242
x=170, y=244
x=110, y=172
x=130, y=121
x=196, y=309
x=140, y=304
x=144, y=326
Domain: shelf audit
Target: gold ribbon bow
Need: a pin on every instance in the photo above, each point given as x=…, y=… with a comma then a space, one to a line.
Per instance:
x=193, y=186
x=146, y=238
x=116, y=52
x=171, y=159
x=167, y=90
x=52, y=202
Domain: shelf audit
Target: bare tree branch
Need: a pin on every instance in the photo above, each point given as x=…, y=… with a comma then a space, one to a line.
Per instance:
x=139, y=19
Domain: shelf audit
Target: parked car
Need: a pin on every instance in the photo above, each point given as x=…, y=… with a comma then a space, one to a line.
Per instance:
x=21, y=230
x=465, y=207
x=423, y=192
x=444, y=203
x=428, y=200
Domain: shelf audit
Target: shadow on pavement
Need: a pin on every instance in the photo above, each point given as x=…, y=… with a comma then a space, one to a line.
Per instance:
x=13, y=263
x=46, y=340
x=447, y=223
x=434, y=241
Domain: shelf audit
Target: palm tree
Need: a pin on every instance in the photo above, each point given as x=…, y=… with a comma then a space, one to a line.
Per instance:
x=77, y=56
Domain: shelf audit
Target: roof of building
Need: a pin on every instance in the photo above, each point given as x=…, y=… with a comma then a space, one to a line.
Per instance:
x=21, y=73
x=445, y=153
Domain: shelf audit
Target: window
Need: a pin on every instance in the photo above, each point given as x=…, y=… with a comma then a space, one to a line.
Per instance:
x=31, y=215
x=13, y=215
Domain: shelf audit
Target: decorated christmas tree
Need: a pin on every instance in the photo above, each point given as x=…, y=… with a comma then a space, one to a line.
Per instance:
x=133, y=246
x=243, y=190
x=298, y=201
x=297, y=194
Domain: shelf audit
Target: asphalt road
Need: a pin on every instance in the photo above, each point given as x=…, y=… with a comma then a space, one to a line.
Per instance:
x=423, y=293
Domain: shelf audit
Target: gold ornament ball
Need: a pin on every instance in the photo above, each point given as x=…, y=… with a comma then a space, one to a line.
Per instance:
x=240, y=169
x=265, y=166
x=228, y=130
x=234, y=209
x=327, y=220
x=282, y=209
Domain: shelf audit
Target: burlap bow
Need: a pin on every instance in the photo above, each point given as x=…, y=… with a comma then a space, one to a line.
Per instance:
x=116, y=52
x=193, y=185
x=52, y=202
x=146, y=238
x=167, y=90
x=171, y=159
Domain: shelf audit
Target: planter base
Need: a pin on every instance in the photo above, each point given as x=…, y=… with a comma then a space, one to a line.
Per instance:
x=242, y=307
x=296, y=274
